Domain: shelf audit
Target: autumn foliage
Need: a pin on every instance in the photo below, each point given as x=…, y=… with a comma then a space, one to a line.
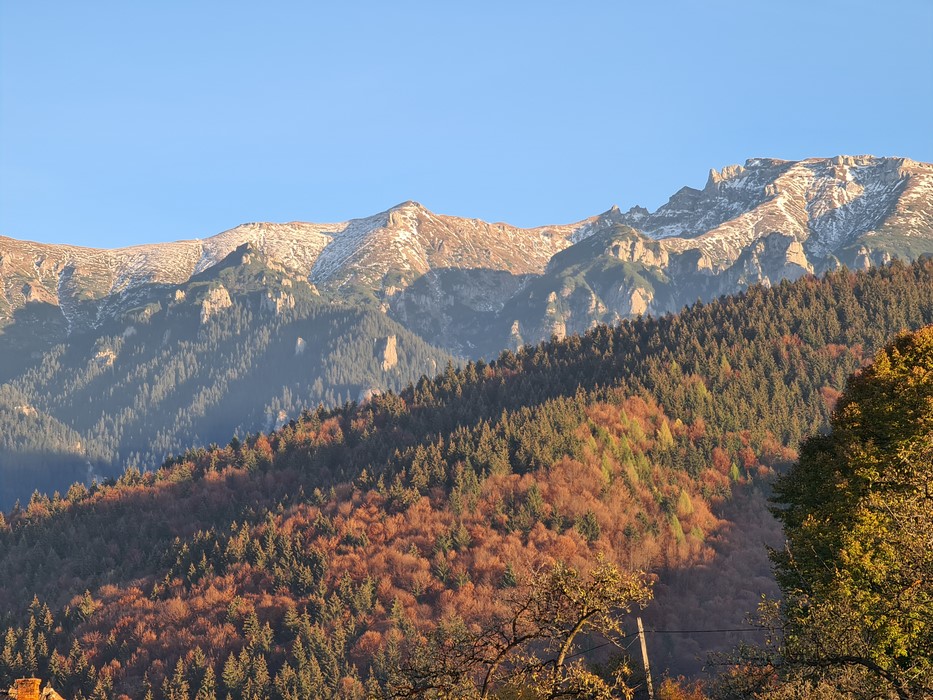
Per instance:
x=303, y=563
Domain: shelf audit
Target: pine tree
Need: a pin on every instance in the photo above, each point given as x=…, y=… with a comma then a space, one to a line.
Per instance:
x=176, y=687
x=208, y=688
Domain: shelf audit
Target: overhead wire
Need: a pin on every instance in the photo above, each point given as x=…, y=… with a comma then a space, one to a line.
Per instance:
x=634, y=635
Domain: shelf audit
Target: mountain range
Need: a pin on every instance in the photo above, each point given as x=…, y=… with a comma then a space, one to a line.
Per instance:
x=126, y=355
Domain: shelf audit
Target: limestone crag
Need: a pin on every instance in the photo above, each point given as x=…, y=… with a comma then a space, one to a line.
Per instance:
x=217, y=299
x=387, y=352
x=278, y=301
x=464, y=283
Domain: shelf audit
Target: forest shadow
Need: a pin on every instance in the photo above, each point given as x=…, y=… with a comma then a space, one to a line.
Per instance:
x=32, y=330
x=721, y=594
x=23, y=473
x=115, y=535
x=467, y=323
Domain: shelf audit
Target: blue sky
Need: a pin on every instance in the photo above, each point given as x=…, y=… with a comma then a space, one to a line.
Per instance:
x=125, y=122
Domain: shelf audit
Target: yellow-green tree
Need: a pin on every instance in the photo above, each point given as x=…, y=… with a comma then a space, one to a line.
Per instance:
x=857, y=510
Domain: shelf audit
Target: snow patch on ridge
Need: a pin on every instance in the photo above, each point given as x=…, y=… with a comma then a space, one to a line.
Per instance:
x=824, y=204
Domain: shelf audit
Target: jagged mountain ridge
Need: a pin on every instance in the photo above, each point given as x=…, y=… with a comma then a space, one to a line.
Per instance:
x=765, y=221
x=825, y=203
x=407, y=240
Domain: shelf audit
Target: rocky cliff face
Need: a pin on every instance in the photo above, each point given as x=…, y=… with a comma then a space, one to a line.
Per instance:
x=763, y=222
x=387, y=352
x=216, y=300
x=477, y=287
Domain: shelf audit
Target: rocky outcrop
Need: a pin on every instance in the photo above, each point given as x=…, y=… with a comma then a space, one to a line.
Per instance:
x=368, y=393
x=216, y=300
x=105, y=357
x=628, y=300
x=639, y=250
x=34, y=292
x=716, y=178
x=387, y=352
x=515, y=336
x=275, y=419
x=768, y=261
x=278, y=301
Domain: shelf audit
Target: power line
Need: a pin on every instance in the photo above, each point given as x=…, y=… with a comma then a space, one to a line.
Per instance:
x=634, y=636
x=734, y=629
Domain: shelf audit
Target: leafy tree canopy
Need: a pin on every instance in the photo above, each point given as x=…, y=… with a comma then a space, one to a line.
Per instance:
x=857, y=572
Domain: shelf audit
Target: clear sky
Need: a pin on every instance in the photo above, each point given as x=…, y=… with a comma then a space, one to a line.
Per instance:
x=128, y=122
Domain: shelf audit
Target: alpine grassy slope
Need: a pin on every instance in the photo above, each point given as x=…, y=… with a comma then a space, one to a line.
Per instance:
x=359, y=550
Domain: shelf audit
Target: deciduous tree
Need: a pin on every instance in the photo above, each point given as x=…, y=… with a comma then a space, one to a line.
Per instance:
x=857, y=509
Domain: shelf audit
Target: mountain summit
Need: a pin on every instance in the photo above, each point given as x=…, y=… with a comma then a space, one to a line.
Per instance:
x=763, y=221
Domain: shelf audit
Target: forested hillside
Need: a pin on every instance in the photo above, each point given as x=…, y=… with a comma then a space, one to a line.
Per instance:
x=321, y=559
x=117, y=357
x=238, y=349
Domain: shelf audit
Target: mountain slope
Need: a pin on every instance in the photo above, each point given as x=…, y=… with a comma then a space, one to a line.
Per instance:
x=93, y=338
x=837, y=209
x=237, y=348
x=323, y=549
x=762, y=222
x=405, y=241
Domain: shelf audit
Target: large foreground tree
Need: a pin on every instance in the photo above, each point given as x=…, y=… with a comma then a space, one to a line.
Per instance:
x=857, y=510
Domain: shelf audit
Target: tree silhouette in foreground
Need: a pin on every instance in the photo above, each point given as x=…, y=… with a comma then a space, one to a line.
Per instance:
x=531, y=649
